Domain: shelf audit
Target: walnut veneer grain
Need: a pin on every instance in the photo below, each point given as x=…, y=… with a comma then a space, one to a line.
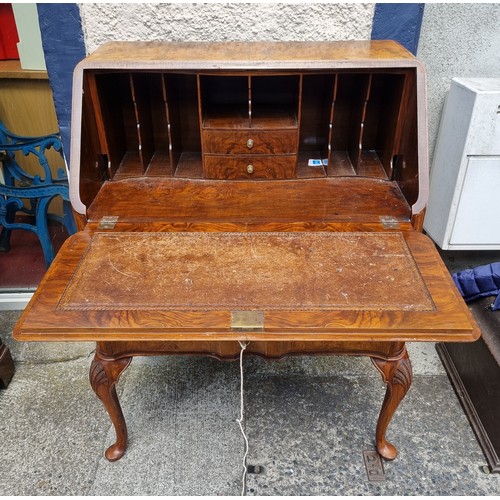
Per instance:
x=249, y=202
x=189, y=146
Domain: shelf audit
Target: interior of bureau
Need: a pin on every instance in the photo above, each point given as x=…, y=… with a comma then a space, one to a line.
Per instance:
x=249, y=102
x=336, y=123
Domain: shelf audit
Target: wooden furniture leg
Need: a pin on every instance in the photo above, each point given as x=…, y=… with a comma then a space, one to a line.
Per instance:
x=6, y=366
x=397, y=374
x=104, y=374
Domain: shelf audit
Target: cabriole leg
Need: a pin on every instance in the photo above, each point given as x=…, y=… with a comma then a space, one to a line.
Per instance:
x=104, y=375
x=398, y=377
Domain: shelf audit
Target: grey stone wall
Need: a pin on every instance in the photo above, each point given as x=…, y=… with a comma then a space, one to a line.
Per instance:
x=457, y=40
x=103, y=22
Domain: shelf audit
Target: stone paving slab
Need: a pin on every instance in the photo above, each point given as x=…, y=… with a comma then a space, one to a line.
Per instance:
x=308, y=420
x=308, y=435
x=51, y=429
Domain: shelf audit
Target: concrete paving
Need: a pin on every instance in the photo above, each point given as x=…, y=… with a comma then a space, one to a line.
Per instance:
x=308, y=421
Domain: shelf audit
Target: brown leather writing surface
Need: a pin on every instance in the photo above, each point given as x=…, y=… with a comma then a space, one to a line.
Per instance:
x=309, y=286
x=214, y=271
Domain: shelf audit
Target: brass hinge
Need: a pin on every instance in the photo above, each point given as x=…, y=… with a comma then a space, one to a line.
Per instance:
x=389, y=223
x=247, y=321
x=108, y=222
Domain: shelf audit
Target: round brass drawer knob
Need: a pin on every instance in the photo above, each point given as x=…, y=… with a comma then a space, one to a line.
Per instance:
x=250, y=169
x=250, y=143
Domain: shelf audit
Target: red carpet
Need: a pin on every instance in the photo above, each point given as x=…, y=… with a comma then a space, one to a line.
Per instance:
x=23, y=266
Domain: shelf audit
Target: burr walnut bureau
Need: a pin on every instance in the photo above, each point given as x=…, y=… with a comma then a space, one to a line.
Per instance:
x=270, y=194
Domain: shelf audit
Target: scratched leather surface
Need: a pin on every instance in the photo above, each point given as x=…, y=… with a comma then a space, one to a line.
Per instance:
x=245, y=271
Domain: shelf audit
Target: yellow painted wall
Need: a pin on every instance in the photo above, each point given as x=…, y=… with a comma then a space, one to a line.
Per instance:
x=27, y=109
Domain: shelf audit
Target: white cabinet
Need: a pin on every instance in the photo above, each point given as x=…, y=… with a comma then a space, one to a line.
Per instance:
x=464, y=201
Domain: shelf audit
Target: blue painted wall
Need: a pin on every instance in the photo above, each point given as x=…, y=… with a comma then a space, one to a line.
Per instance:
x=64, y=46
x=400, y=22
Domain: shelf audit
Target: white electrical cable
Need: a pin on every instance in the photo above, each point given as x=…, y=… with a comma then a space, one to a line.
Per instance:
x=243, y=346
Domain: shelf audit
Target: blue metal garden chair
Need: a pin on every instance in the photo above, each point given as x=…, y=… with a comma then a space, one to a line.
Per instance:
x=39, y=189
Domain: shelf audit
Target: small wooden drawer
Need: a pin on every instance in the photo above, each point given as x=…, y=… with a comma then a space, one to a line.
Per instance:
x=250, y=141
x=249, y=167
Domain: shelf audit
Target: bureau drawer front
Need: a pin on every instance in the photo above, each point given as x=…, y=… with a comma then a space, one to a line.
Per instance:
x=250, y=141
x=249, y=167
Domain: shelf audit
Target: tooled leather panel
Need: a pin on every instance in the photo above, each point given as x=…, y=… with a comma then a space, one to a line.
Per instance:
x=247, y=271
